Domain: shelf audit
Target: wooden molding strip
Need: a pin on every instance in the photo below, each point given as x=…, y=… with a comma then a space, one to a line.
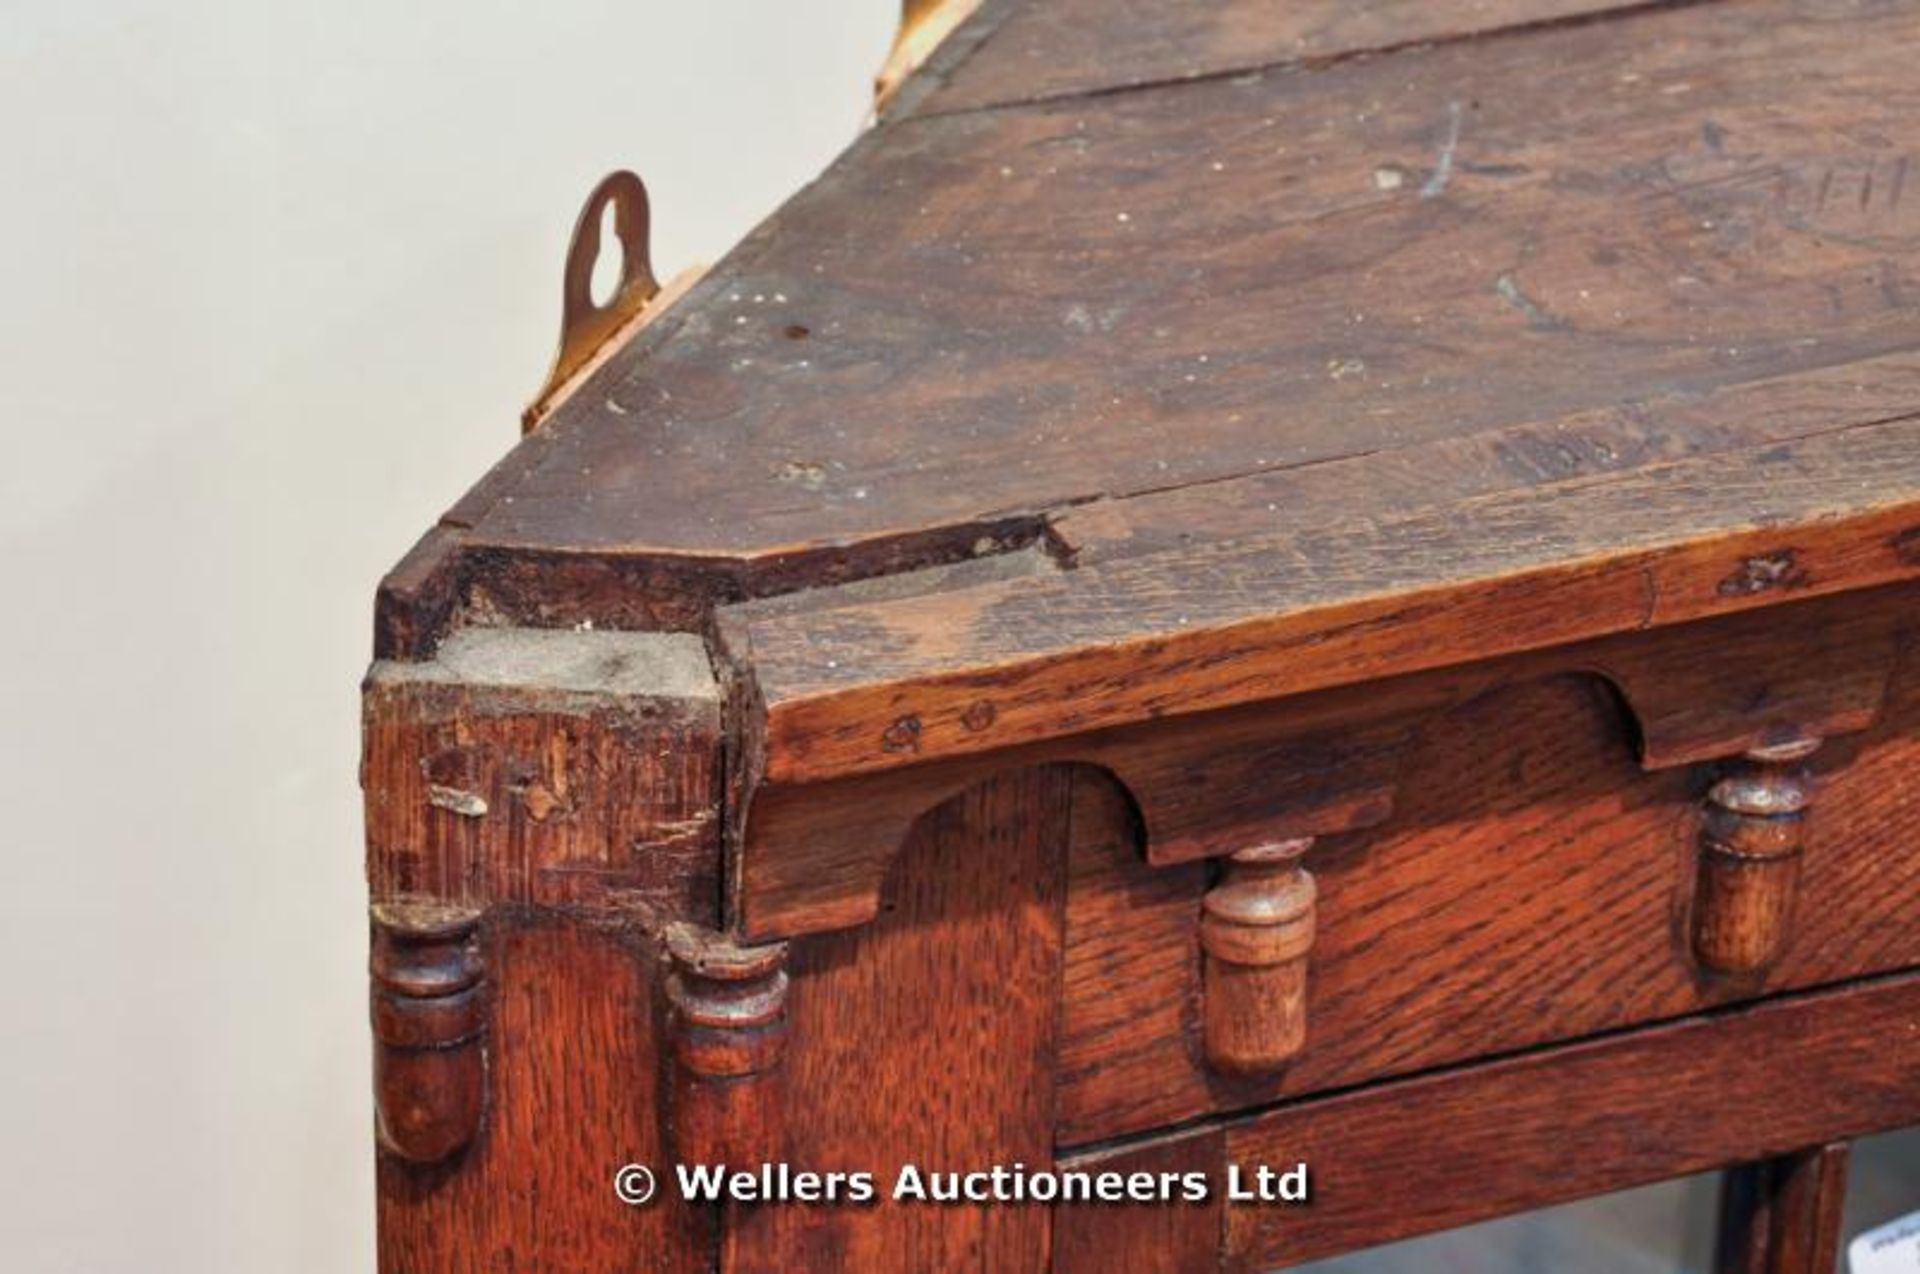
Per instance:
x=865, y=687
x=812, y=856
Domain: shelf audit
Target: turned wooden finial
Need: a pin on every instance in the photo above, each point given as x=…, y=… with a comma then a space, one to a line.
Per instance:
x=729, y=1031
x=429, y=1017
x=1748, y=865
x=1256, y=928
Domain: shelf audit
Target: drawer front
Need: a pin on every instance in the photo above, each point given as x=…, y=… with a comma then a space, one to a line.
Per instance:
x=1533, y=884
x=1417, y=1155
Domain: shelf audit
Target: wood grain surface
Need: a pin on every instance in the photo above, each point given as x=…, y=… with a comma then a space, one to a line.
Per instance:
x=1030, y=50
x=1531, y=886
x=1131, y=1013
x=1181, y=1238
x=1592, y=1118
x=976, y=322
x=1559, y=1124
x=1646, y=429
x=573, y=1071
x=1447, y=432
x=810, y=856
x=563, y=788
x=927, y=1038
x=1346, y=601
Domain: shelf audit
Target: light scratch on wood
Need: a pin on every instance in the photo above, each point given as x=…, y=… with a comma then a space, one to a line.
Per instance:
x=458, y=800
x=1443, y=171
x=1537, y=315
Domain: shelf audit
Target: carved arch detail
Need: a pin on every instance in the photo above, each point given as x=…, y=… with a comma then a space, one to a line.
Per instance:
x=811, y=858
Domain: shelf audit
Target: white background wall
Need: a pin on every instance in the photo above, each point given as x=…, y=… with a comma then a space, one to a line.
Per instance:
x=275, y=280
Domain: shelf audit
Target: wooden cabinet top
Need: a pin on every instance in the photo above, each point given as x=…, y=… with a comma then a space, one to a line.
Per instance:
x=1153, y=357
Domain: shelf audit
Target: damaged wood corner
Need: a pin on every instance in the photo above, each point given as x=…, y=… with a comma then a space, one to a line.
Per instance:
x=573, y=770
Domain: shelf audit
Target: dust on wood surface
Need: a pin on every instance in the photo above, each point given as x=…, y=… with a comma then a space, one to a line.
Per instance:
x=1009, y=313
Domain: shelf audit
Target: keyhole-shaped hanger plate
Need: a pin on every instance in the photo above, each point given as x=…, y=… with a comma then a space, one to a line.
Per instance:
x=586, y=327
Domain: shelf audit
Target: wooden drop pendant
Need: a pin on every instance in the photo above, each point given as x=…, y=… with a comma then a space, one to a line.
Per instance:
x=1256, y=928
x=1748, y=865
x=730, y=1030
x=429, y=1017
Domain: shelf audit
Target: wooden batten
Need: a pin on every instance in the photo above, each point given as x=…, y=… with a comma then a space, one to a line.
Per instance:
x=1184, y=632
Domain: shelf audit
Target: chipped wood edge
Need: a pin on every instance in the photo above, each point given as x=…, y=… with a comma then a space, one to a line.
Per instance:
x=831, y=730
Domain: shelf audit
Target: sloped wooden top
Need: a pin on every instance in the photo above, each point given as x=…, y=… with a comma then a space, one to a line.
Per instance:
x=1077, y=47
x=1012, y=311
x=1119, y=282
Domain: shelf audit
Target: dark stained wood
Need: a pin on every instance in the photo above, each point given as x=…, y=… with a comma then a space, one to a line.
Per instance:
x=1810, y=1193
x=812, y=856
x=729, y=1034
x=1532, y=886
x=1752, y=834
x=1652, y=428
x=1565, y=1123
x=418, y=597
x=573, y=1095
x=1743, y=1228
x=956, y=327
x=1218, y=625
x=1033, y=51
x=927, y=1037
x=429, y=1018
x=1130, y=1021
x=1782, y=1215
x=1760, y=679
x=1809, y=1202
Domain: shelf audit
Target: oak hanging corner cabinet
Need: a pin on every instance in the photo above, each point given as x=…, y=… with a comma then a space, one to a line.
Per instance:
x=1234, y=584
